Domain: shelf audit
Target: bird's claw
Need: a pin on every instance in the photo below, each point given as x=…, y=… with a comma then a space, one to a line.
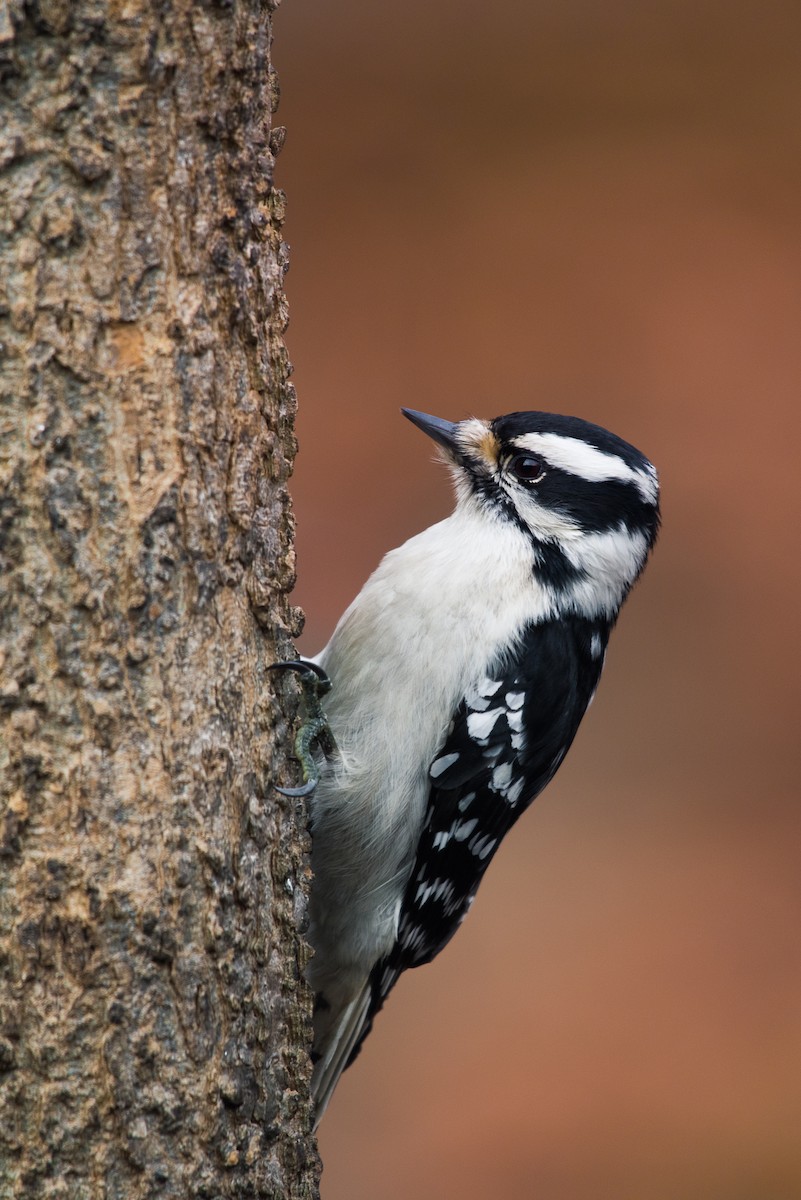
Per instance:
x=305, y=789
x=314, y=728
x=310, y=670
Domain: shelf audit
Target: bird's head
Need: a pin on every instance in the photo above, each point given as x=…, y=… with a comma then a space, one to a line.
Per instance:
x=587, y=501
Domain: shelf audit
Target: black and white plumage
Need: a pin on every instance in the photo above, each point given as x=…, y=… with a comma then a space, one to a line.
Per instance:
x=459, y=676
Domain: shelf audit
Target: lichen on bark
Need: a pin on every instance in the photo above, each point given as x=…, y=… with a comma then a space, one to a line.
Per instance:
x=153, y=1020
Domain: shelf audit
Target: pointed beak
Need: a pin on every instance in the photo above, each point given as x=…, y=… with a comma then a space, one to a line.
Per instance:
x=443, y=432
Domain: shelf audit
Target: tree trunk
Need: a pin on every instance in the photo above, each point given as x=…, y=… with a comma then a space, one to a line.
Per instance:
x=154, y=1025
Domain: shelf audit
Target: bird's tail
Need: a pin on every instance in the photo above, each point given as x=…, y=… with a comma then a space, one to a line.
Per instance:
x=337, y=1040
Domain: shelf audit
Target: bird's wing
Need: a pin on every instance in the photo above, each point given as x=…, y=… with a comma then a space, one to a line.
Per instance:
x=506, y=741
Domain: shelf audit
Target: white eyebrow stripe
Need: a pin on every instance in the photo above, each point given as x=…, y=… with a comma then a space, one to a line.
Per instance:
x=588, y=462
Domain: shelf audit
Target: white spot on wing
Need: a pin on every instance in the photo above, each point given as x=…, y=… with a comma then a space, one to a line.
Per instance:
x=413, y=940
x=441, y=765
x=462, y=832
x=482, y=846
x=479, y=698
x=438, y=890
x=501, y=776
x=515, y=699
x=513, y=794
x=480, y=725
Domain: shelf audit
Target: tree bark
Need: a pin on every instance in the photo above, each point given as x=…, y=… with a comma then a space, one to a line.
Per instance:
x=153, y=1021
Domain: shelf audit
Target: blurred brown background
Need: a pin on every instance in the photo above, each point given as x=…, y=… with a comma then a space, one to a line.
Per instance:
x=596, y=209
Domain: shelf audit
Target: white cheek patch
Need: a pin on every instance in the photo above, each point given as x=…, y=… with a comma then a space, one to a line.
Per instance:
x=588, y=462
x=543, y=521
x=607, y=561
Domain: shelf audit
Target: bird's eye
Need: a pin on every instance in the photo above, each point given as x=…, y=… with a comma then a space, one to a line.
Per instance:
x=526, y=468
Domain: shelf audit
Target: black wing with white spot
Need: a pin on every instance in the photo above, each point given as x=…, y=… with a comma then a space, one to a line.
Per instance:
x=507, y=739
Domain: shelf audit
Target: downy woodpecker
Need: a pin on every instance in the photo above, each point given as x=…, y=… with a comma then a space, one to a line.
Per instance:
x=459, y=676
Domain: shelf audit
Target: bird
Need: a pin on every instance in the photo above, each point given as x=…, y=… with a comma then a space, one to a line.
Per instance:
x=451, y=691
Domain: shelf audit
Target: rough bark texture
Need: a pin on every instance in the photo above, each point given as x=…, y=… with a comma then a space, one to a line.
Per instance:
x=154, y=1032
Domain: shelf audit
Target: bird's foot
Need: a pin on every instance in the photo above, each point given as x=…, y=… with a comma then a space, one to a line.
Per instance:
x=314, y=729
